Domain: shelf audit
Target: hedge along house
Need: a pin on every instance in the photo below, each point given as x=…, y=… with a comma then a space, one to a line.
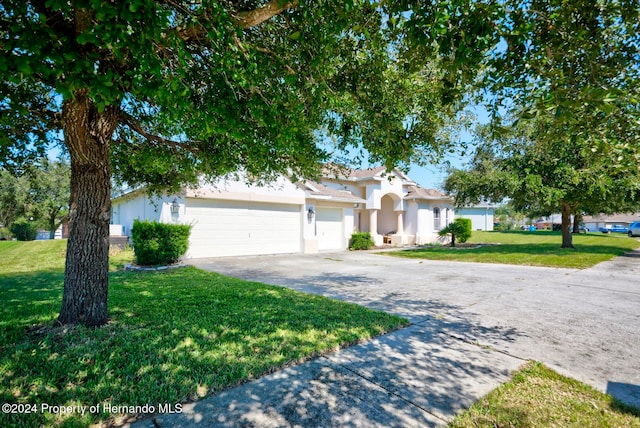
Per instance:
x=231, y=218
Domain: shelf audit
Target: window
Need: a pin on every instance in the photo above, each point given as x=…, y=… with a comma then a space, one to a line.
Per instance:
x=436, y=219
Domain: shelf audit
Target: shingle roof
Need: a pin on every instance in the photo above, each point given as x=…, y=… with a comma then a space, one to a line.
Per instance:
x=320, y=190
x=614, y=218
x=366, y=173
x=417, y=192
x=343, y=173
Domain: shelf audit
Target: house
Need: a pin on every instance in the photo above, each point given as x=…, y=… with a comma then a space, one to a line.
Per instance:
x=481, y=215
x=230, y=217
x=594, y=223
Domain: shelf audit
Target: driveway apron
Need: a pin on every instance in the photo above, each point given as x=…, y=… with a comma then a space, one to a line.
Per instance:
x=472, y=325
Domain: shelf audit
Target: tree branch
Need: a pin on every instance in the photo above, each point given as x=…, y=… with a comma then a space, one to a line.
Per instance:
x=245, y=19
x=258, y=16
x=132, y=123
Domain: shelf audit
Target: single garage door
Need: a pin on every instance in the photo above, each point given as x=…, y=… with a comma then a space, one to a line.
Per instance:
x=329, y=228
x=238, y=228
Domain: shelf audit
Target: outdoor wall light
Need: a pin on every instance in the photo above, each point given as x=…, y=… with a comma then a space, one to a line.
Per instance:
x=310, y=214
x=175, y=207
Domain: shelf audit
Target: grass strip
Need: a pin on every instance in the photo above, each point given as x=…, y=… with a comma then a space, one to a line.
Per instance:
x=539, y=397
x=538, y=248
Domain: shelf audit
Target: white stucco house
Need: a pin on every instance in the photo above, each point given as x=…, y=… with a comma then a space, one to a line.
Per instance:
x=481, y=215
x=230, y=217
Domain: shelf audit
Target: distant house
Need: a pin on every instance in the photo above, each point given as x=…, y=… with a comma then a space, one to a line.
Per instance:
x=593, y=223
x=62, y=232
x=481, y=215
x=231, y=218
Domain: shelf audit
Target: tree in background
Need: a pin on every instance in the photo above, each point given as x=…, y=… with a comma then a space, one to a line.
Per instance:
x=543, y=170
x=161, y=93
x=13, y=197
x=564, y=89
x=49, y=192
x=40, y=194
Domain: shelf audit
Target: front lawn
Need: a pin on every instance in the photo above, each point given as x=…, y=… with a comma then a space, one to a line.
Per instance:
x=173, y=337
x=539, y=248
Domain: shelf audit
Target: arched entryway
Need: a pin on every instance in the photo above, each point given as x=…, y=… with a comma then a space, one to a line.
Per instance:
x=387, y=217
x=390, y=217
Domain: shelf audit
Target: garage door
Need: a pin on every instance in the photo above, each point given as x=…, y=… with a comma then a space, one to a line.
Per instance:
x=232, y=228
x=329, y=229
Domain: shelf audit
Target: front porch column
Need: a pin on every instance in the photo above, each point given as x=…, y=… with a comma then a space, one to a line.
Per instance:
x=400, y=225
x=398, y=238
x=373, y=222
x=373, y=227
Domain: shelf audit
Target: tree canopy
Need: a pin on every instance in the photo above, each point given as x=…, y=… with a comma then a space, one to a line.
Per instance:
x=564, y=89
x=210, y=87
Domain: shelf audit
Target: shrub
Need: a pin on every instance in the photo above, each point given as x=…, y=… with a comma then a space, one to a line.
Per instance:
x=361, y=241
x=460, y=229
x=159, y=243
x=464, y=232
x=24, y=230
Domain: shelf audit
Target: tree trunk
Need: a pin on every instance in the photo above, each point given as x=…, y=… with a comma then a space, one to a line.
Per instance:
x=88, y=135
x=567, y=238
x=52, y=224
x=577, y=219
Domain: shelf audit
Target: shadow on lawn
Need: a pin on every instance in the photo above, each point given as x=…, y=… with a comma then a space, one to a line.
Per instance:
x=173, y=337
x=29, y=300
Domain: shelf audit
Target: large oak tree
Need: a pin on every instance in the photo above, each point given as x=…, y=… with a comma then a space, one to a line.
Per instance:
x=163, y=92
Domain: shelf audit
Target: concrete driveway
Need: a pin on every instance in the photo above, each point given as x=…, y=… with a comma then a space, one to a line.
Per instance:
x=583, y=323
x=472, y=325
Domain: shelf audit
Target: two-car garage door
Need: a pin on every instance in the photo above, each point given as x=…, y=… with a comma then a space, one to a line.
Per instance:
x=235, y=228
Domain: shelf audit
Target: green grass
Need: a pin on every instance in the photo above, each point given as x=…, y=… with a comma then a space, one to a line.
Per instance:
x=539, y=397
x=538, y=248
x=173, y=337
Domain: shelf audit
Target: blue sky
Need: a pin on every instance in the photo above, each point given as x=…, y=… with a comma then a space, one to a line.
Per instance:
x=430, y=177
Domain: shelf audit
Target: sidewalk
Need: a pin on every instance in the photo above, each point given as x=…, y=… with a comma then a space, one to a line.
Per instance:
x=417, y=376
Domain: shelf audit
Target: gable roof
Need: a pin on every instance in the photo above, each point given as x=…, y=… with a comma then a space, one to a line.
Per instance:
x=340, y=172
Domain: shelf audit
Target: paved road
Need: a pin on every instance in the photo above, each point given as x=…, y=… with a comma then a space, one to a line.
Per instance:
x=473, y=325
